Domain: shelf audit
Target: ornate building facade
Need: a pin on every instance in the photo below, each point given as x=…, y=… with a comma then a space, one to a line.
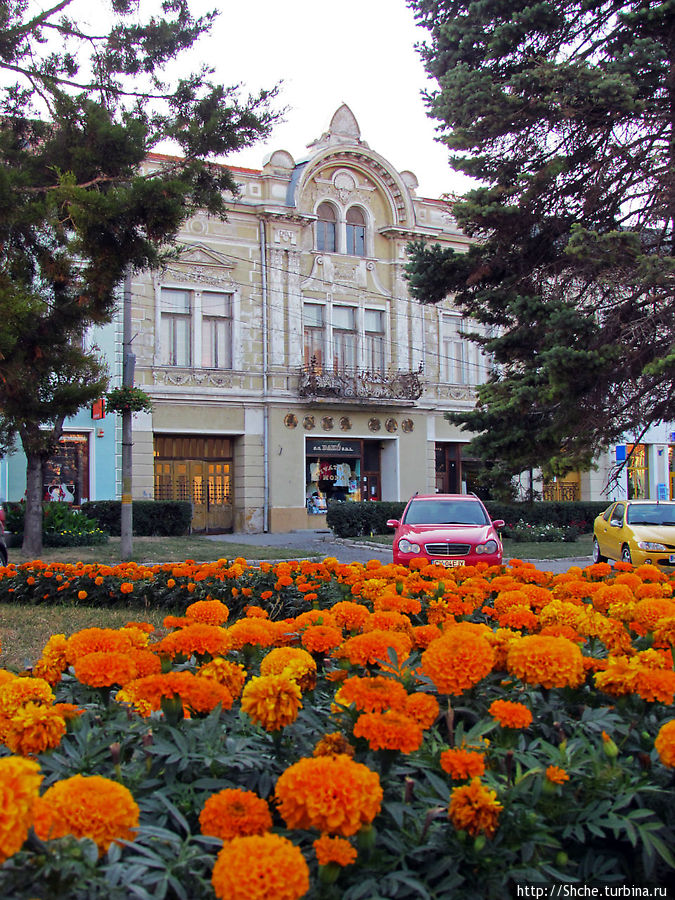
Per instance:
x=287, y=363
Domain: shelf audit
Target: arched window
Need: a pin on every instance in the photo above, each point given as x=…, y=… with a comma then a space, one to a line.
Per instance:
x=326, y=228
x=356, y=232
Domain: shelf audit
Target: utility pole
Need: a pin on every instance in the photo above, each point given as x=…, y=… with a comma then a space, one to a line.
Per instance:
x=128, y=364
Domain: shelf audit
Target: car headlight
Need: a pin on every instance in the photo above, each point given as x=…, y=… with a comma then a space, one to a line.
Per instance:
x=489, y=547
x=405, y=546
x=651, y=545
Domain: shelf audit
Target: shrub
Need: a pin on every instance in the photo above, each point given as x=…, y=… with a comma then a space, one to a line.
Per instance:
x=165, y=518
x=369, y=517
x=524, y=531
x=62, y=526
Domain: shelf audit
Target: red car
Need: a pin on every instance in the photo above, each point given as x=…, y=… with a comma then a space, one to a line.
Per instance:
x=450, y=529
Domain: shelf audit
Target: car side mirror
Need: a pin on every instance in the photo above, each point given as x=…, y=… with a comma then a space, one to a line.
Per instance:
x=499, y=523
x=393, y=523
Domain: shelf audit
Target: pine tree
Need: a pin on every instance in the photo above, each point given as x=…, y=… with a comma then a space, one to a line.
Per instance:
x=80, y=110
x=564, y=112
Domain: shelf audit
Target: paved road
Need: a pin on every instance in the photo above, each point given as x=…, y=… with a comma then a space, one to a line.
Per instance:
x=324, y=543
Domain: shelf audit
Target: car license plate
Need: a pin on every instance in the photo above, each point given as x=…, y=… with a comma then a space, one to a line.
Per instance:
x=450, y=562
x=672, y=559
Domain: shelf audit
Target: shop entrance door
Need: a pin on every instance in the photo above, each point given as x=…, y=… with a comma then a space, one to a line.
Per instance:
x=205, y=483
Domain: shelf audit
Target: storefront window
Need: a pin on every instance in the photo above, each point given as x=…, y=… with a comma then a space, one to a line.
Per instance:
x=66, y=473
x=638, y=472
x=335, y=471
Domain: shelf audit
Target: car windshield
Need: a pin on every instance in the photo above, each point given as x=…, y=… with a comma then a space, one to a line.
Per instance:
x=445, y=512
x=651, y=514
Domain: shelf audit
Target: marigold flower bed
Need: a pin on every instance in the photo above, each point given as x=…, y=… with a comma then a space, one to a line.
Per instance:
x=322, y=730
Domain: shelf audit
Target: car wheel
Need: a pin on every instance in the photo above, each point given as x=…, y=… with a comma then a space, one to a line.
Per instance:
x=3, y=553
x=625, y=555
x=597, y=556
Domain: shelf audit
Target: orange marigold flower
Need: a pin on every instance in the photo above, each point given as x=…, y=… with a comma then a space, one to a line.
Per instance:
x=349, y=615
x=334, y=850
x=321, y=638
x=103, y=669
x=648, y=611
x=18, y=691
x=175, y=621
x=260, y=867
x=209, y=612
x=556, y=775
x=257, y=612
x=475, y=809
x=423, y=708
x=654, y=685
x=272, y=701
x=389, y=730
x=333, y=744
x=520, y=617
x=195, y=638
x=423, y=635
x=373, y=648
x=87, y=807
x=6, y=675
x=81, y=595
x=147, y=627
x=548, y=661
x=665, y=744
x=510, y=714
x=251, y=631
x=298, y=663
x=234, y=812
x=126, y=587
x=333, y=794
x=231, y=674
x=33, y=728
x=372, y=694
x=198, y=695
x=461, y=764
x=458, y=660
x=19, y=783
x=93, y=640
x=146, y=661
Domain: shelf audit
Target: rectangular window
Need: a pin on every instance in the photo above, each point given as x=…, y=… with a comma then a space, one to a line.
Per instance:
x=374, y=340
x=455, y=364
x=638, y=472
x=344, y=338
x=216, y=331
x=313, y=334
x=176, y=327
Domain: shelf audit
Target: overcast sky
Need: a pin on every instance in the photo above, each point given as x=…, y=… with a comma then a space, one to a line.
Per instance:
x=358, y=52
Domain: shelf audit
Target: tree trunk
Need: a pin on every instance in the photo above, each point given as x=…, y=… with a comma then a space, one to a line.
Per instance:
x=32, y=528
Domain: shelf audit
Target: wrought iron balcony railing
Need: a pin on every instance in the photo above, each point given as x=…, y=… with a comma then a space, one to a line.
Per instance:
x=316, y=382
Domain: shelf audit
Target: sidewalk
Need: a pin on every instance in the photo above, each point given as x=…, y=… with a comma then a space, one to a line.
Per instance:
x=322, y=543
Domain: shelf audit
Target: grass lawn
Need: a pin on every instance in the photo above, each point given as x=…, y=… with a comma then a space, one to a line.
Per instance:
x=151, y=550
x=583, y=546
x=24, y=630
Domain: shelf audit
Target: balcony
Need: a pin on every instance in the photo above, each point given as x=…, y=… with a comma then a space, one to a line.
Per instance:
x=318, y=383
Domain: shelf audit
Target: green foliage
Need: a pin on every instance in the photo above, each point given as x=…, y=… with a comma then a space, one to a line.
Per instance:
x=62, y=526
x=128, y=399
x=556, y=109
x=150, y=517
x=564, y=514
x=522, y=532
x=79, y=116
x=368, y=517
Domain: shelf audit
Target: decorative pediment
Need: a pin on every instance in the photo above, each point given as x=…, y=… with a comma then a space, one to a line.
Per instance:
x=199, y=255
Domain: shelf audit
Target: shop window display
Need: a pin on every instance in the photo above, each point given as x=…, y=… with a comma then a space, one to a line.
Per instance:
x=331, y=480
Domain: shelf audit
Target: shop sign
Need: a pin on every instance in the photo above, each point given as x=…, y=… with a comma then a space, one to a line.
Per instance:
x=333, y=447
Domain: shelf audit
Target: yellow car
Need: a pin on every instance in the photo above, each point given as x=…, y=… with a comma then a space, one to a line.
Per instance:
x=636, y=531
